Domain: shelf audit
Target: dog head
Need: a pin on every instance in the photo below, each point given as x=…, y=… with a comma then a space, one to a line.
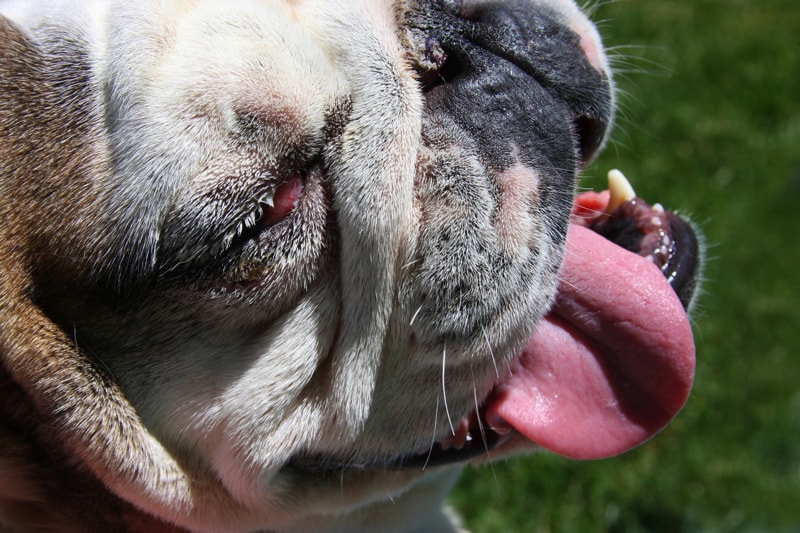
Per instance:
x=264, y=262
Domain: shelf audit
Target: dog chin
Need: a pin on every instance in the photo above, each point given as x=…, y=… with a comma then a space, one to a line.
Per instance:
x=288, y=265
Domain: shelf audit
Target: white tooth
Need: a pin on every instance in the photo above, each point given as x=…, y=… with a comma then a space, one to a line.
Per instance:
x=620, y=189
x=269, y=198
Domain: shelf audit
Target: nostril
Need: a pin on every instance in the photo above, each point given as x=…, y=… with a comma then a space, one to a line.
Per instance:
x=589, y=132
x=447, y=69
x=453, y=68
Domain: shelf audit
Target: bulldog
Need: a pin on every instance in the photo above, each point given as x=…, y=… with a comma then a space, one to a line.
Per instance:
x=307, y=258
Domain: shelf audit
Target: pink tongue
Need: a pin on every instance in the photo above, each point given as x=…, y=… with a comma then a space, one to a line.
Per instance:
x=610, y=365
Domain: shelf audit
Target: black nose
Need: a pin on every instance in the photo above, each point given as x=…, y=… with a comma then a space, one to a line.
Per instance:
x=493, y=46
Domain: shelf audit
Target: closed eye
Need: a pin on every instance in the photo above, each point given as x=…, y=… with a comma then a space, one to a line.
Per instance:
x=271, y=208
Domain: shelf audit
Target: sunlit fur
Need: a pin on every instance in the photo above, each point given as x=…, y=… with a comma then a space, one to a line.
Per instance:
x=152, y=373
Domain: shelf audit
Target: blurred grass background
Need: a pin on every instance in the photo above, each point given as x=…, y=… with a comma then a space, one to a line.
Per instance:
x=709, y=124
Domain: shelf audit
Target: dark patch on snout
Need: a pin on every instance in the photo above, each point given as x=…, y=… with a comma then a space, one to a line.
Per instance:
x=506, y=87
x=516, y=81
x=512, y=72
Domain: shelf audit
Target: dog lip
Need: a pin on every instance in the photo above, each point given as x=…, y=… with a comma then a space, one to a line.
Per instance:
x=666, y=239
x=480, y=442
x=478, y=439
x=683, y=270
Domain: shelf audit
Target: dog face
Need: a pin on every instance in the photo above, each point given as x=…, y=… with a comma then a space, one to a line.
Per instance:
x=270, y=263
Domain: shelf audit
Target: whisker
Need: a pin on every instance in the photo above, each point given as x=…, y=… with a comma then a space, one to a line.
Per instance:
x=444, y=392
x=410, y=264
x=433, y=437
x=414, y=318
x=477, y=414
x=491, y=353
x=481, y=427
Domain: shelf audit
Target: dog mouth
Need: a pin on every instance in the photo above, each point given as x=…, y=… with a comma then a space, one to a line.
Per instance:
x=472, y=438
x=469, y=439
x=611, y=364
x=663, y=237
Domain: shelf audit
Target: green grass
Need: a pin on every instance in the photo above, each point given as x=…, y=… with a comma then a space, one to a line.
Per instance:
x=710, y=124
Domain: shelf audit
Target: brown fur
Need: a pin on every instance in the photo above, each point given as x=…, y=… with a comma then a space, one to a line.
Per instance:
x=39, y=490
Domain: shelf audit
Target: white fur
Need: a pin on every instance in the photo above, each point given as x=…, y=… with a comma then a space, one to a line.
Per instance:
x=237, y=408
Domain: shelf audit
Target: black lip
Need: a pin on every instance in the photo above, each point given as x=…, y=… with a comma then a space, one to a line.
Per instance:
x=684, y=269
x=682, y=265
x=481, y=441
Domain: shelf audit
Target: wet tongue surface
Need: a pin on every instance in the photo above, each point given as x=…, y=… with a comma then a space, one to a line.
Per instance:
x=610, y=365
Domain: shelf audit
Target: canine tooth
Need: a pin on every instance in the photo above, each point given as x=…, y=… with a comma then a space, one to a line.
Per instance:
x=620, y=189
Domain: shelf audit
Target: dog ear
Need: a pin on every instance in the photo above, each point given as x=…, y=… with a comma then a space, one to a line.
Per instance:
x=80, y=406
